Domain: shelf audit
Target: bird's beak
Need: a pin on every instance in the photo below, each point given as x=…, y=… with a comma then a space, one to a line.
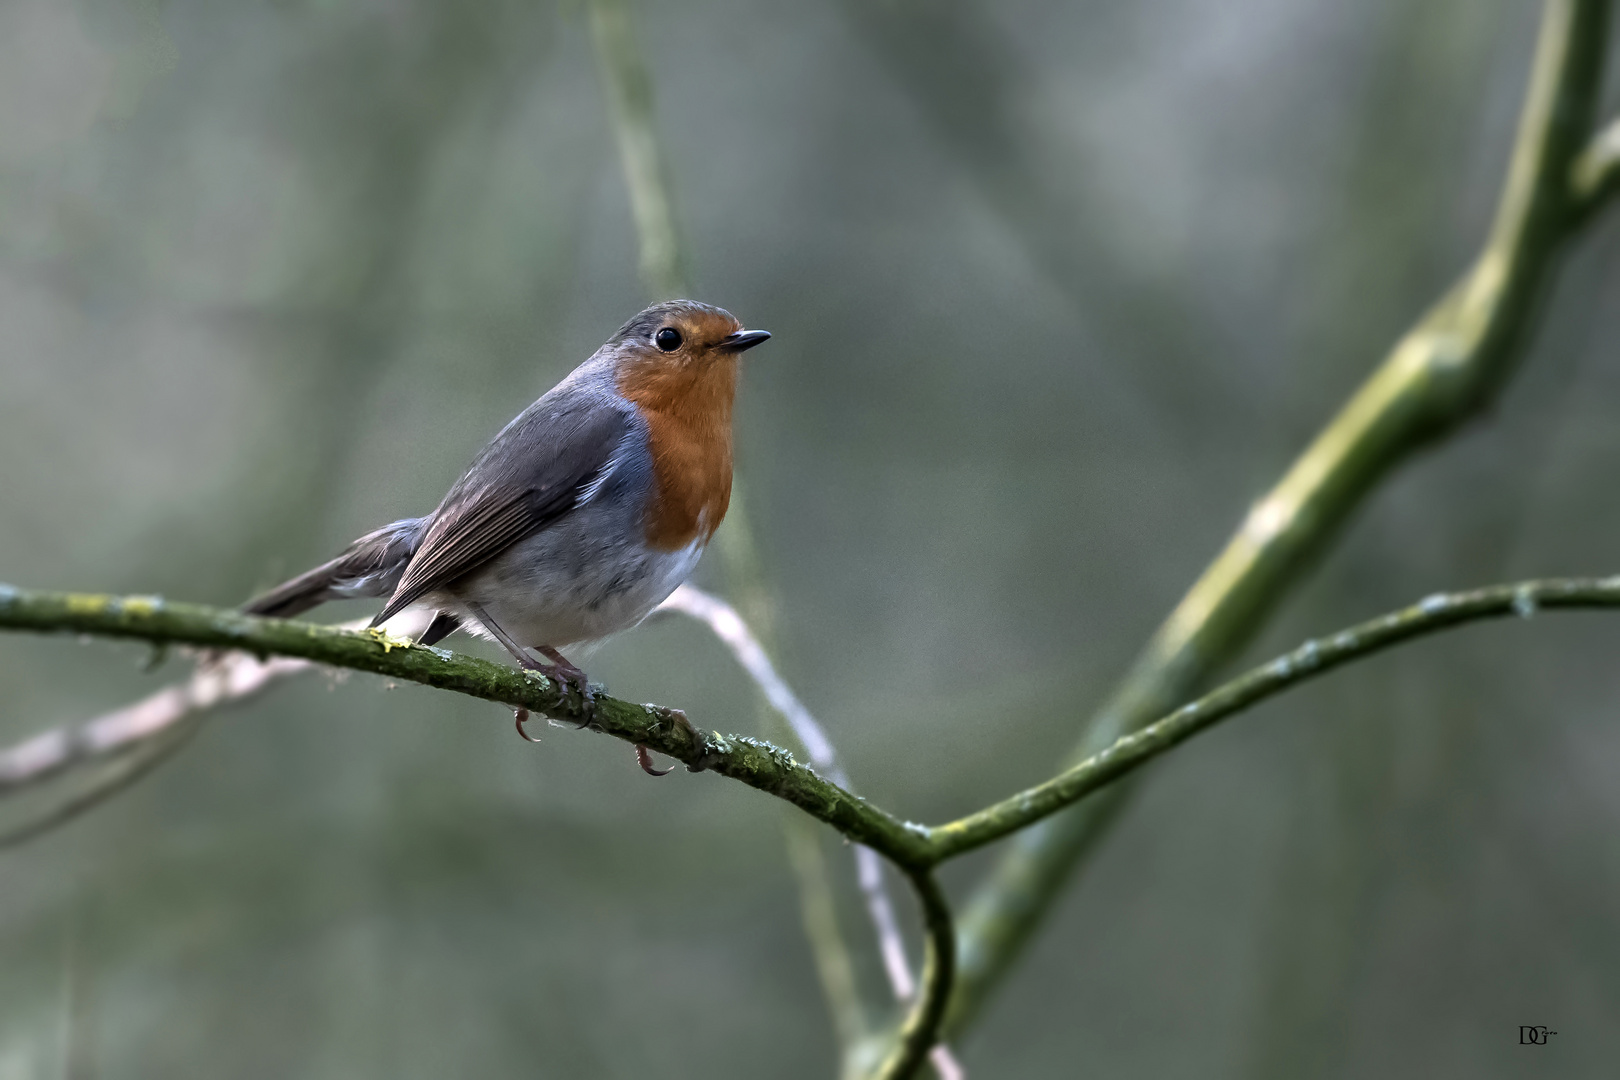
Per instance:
x=743, y=340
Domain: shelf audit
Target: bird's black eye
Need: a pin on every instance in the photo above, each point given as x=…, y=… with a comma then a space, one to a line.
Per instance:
x=668, y=339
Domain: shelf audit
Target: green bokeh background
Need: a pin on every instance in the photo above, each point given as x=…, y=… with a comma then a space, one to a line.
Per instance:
x=1057, y=290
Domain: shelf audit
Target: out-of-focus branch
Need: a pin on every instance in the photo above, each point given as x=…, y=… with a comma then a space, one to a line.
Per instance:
x=1439, y=375
x=233, y=677
x=130, y=765
x=734, y=633
x=629, y=91
x=818, y=910
x=133, y=740
x=721, y=618
x=663, y=272
x=1595, y=177
x=750, y=654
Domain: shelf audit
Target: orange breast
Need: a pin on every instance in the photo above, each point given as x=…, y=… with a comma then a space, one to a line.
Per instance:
x=688, y=413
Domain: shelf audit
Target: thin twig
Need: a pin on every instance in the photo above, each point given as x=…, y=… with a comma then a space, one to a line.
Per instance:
x=733, y=632
x=136, y=761
x=134, y=739
x=1316, y=657
x=233, y=677
x=919, y=1034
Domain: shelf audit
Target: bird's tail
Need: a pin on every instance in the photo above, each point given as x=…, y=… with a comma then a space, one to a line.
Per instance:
x=371, y=566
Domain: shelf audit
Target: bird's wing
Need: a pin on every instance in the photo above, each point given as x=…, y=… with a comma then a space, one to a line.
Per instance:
x=530, y=475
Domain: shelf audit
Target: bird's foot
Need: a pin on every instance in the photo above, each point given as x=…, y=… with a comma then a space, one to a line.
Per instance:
x=571, y=679
x=680, y=718
x=565, y=675
x=560, y=670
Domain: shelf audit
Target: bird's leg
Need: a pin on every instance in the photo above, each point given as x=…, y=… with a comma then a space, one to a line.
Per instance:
x=568, y=671
x=562, y=662
x=443, y=625
x=523, y=658
x=562, y=672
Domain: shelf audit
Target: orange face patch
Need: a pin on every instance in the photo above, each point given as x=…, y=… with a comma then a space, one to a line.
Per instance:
x=685, y=396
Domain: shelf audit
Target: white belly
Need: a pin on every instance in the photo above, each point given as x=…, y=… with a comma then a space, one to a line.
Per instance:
x=547, y=591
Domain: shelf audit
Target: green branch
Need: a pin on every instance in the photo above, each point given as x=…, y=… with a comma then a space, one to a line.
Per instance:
x=920, y=1032
x=758, y=764
x=1438, y=376
x=1314, y=658
x=917, y=849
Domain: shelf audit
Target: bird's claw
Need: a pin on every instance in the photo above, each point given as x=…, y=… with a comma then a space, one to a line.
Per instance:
x=644, y=759
x=569, y=680
x=521, y=716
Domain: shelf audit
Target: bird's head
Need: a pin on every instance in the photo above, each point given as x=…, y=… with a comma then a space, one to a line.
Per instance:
x=681, y=353
x=683, y=333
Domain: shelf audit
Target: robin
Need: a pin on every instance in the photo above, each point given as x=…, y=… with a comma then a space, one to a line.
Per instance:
x=580, y=517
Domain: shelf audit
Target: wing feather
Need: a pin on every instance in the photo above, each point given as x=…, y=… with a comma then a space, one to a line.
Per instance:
x=531, y=475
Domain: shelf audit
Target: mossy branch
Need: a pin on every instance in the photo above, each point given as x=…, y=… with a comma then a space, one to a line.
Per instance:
x=756, y=763
x=916, y=849
x=753, y=762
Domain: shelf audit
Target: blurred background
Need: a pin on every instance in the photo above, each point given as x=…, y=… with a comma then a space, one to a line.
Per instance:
x=1057, y=290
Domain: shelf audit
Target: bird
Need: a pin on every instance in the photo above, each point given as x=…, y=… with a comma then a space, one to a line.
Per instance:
x=579, y=517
